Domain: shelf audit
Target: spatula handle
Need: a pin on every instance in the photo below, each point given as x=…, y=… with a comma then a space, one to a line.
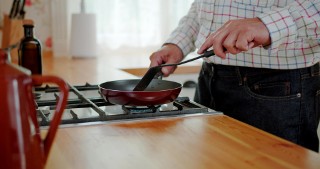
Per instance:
x=208, y=53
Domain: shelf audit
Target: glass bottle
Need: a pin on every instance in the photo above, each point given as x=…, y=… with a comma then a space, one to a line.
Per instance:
x=30, y=50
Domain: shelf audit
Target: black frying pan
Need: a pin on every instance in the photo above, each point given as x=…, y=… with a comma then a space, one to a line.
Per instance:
x=158, y=92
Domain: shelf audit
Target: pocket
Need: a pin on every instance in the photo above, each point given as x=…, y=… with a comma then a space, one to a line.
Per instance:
x=279, y=115
x=272, y=84
x=271, y=89
x=258, y=3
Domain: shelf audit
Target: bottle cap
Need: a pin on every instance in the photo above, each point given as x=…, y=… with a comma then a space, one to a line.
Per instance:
x=28, y=22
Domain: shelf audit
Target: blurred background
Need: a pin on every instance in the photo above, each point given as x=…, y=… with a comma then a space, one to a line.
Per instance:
x=123, y=26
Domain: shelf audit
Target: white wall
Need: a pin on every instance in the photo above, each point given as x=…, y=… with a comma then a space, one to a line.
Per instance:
x=39, y=11
x=5, y=6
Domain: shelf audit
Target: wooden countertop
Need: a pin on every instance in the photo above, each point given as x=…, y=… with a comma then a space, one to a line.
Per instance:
x=208, y=141
x=78, y=71
x=203, y=141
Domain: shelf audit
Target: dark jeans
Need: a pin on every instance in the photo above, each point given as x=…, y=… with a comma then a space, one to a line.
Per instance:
x=285, y=103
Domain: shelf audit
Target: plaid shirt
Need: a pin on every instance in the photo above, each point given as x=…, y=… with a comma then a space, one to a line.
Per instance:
x=292, y=24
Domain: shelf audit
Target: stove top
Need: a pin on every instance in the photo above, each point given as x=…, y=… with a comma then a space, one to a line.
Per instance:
x=85, y=105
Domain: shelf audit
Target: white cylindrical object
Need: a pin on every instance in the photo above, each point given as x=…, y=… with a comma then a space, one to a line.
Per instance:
x=83, y=41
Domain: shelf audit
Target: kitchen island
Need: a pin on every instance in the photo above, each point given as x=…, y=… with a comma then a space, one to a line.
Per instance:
x=200, y=141
x=193, y=141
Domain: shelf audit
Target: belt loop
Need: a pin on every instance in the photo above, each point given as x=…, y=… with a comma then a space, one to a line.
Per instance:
x=212, y=70
x=208, y=69
x=204, y=68
x=239, y=76
x=315, y=70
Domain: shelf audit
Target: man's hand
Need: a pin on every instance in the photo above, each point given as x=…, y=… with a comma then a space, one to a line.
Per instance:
x=237, y=36
x=169, y=53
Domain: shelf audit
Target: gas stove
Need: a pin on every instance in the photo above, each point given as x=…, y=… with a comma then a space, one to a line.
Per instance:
x=86, y=105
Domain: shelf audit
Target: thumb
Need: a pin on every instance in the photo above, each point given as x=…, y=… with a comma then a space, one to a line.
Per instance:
x=167, y=70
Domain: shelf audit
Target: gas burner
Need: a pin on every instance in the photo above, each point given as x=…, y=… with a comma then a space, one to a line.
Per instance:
x=85, y=104
x=140, y=109
x=37, y=96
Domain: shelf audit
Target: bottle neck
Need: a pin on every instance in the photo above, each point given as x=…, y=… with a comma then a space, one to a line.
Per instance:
x=28, y=31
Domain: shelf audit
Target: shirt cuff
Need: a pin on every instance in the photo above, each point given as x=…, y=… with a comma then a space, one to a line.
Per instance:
x=282, y=28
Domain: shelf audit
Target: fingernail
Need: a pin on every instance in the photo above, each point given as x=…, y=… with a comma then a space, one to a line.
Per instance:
x=165, y=71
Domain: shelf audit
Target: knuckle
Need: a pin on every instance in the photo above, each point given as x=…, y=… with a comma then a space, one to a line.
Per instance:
x=215, y=41
x=153, y=56
x=228, y=45
x=233, y=51
x=219, y=53
x=245, y=31
x=241, y=46
x=230, y=48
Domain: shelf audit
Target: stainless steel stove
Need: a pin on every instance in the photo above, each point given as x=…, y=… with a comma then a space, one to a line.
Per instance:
x=85, y=105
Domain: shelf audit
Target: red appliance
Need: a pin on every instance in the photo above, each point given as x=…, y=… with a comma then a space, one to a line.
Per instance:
x=21, y=145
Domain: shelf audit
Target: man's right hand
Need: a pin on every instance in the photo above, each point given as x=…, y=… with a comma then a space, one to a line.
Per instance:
x=169, y=53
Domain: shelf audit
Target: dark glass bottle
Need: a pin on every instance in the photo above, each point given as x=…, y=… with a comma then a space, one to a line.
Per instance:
x=30, y=51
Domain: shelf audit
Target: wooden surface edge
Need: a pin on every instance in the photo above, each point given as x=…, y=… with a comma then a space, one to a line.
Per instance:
x=179, y=70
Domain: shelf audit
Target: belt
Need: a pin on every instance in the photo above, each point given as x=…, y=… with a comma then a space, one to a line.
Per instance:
x=210, y=68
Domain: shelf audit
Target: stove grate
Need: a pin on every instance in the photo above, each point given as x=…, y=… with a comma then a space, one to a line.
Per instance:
x=96, y=103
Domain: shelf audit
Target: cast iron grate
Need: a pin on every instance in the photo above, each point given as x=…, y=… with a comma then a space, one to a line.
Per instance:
x=45, y=108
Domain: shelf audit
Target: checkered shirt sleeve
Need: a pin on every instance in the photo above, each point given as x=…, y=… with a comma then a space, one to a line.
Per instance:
x=186, y=33
x=293, y=26
x=298, y=20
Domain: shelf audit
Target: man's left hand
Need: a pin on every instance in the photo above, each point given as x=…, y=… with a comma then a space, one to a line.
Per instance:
x=237, y=36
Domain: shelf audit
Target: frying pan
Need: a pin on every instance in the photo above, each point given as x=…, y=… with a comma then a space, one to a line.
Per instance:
x=146, y=91
x=121, y=92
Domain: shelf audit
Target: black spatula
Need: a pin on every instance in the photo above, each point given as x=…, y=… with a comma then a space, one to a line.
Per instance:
x=153, y=71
